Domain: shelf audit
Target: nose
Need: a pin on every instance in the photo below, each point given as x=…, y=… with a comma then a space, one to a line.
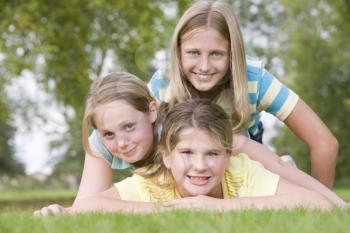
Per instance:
x=204, y=64
x=122, y=142
x=199, y=163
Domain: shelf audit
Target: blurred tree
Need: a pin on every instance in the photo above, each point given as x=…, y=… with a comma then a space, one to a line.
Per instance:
x=67, y=43
x=8, y=165
x=317, y=53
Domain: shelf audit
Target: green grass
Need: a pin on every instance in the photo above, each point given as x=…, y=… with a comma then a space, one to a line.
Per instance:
x=35, y=194
x=182, y=221
x=34, y=199
x=343, y=193
x=18, y=218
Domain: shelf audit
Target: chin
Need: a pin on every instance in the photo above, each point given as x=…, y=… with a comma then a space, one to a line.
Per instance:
x=204, y=88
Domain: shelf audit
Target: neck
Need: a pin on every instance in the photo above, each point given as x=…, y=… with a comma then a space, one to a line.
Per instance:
x=211, y=94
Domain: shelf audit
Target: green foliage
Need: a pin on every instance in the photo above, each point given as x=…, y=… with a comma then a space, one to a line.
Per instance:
x=67, y=43
x=318, y=58
x=8, y=164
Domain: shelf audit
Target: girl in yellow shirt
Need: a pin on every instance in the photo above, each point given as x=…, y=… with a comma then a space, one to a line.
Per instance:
x=193, y=169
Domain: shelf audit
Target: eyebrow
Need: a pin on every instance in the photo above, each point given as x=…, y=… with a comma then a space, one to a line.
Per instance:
x=119, y=125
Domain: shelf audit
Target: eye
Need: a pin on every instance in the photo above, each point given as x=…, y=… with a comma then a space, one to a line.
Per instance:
x=212, y=154
x=185, y=152
x=193, y=52
x=108, y=135
x=129, y=127
x=217, y=54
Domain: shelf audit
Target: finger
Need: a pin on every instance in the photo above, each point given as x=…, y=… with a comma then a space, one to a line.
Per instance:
x=44, y=211
x=55, y=209
x=37, y=213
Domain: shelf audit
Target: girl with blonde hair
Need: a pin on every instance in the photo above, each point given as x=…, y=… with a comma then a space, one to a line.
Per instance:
x=194, y=165
x=208, y=61
x=122, y=113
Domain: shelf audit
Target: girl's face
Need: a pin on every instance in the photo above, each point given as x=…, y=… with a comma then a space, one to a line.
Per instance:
x=127, y=133
x=197, y=163
x=205, y=58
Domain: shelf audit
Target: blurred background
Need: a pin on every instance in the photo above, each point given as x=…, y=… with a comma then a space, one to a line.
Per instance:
x=50, y=51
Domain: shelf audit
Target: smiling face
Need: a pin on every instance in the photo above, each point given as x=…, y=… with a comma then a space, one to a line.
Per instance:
x=205, y=58
x=197, y=163
x=126, y=132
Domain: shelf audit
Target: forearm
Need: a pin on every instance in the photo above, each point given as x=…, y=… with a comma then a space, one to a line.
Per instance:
x=308, y=199
x=302, y=179
x=323, y=162
x=322, y=144
x=273, y=163
x=112, y=205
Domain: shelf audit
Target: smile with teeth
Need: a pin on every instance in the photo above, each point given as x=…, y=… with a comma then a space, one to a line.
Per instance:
x=203, y=77
x=199, y=180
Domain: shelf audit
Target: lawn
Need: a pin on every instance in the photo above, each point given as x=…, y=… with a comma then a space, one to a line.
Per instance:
x=19, y=220
x=182, y=221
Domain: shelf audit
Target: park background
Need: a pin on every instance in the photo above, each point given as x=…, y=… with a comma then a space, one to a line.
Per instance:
x=50, y=51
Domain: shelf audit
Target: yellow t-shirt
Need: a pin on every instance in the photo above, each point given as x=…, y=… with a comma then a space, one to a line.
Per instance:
x=243, y=178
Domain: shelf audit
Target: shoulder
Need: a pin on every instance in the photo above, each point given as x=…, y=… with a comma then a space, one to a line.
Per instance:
x=254, y=178
x=158, y=83
x=128, y=189
x=255, y=68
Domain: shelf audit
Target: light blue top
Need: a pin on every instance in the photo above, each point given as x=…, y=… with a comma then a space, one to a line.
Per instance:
x=265, y=93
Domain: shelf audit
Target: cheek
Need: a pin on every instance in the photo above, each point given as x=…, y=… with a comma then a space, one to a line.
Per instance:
x=111, y=146
x=187, y=63
x=221, y=166
x=144, y=136
x=178, y=166
x=223, y=65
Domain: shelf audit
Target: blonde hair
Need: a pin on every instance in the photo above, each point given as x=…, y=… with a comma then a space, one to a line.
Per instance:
x=219, y=16
x=113, y=87
x=193, y=113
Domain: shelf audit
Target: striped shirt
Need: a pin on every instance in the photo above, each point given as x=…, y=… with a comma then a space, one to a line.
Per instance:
x=265, y=93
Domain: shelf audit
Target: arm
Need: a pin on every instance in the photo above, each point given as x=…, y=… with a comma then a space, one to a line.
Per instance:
x=109, y=201
x=288, y=196
x=272, y=162
x=322, y=144
x=96, y=177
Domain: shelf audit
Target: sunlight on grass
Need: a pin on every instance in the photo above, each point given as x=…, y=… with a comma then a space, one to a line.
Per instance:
x=183, y=221
x=35, y=195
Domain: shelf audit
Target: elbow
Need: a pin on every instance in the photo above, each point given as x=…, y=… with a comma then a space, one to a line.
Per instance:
x=332, y=146
x=327, y=146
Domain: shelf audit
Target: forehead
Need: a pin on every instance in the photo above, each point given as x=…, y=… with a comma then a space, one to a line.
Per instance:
x=115, y=113
x=198, y=139
x=204, y=37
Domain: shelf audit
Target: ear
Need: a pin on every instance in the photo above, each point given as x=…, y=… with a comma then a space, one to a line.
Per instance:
x=153, y=111
x=166, y=160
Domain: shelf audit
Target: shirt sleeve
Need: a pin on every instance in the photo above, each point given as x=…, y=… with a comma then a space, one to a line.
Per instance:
x=274, y=97
x=98, y=146
x=128, y=189
x=262, y=181
x=258, y=181
x=158, y=85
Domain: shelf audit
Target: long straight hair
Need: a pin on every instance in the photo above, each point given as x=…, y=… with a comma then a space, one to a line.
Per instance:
x=219, y=16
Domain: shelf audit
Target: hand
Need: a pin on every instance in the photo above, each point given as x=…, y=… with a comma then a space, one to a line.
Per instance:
x=196, y=203
x=52, y=210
